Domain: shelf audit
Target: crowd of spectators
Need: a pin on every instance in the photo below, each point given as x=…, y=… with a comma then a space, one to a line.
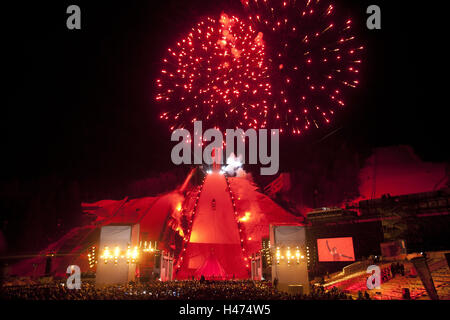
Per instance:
x=385, y=275
x=397, y=268
x=170, y=290
x=389, y=273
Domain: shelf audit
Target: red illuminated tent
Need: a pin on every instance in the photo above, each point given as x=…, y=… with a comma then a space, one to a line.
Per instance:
x=211, y=269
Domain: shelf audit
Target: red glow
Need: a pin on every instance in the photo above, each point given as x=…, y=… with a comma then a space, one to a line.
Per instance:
x=219, y=71
x=295, y=46
x=224, y=71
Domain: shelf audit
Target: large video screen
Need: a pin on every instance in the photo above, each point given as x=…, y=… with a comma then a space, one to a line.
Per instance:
x=335, y=249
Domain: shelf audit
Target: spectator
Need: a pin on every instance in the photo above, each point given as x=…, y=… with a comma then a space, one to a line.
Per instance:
x=170, y=290
x=360, y=295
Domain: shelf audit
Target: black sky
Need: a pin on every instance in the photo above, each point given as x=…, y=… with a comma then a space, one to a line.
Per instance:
x=79, y=104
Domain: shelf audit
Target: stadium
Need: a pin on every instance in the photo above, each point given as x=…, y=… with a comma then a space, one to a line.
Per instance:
x=319, y=171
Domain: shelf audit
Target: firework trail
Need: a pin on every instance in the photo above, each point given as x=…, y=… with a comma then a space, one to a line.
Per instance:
x=314, y=58
x=217, y=73
x=289, y=65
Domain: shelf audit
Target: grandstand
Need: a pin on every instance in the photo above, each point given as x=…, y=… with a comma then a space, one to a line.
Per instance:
x=392, y=288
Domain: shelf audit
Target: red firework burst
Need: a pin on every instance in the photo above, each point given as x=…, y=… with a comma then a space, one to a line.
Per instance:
x=314, y=58
x=217, y=73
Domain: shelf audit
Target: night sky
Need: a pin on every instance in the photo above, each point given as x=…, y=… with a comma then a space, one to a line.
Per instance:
x=79, y=104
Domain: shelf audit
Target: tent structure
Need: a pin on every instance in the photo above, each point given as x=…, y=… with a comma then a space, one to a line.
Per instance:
x=215, y=230
x=154, y=214
x=211, y=269
x=231, y=218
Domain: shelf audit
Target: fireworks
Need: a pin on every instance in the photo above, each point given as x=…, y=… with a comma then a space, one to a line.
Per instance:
x=315, y=58
x=289, y=65
x=217, y=73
